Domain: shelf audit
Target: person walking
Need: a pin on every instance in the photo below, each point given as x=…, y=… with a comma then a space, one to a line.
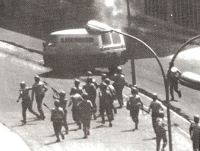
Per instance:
x=63, y=104
x=155, y=106
x=39, y=90
x=119, y=83
x=112, y=92
x=174, y=80
x=89, y=75
x=134, y=104
x=77, y=87
x=86, y=112
x=106, y=104
x=57, y=117
x=194, y=131
x=160, y=132
x=26, y=101
x=76, y=99
x=90, y=89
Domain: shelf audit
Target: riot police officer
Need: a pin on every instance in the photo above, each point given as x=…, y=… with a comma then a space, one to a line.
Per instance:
x=26, y=101
x=57, y=117
x=39, y=89
x=119, y=83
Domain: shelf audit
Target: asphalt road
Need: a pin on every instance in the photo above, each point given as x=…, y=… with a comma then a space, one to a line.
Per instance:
x=18, y=65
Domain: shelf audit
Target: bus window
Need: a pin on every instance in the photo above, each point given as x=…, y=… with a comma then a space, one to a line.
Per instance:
x=78, y=40
x=116, y=38
x=106, y=39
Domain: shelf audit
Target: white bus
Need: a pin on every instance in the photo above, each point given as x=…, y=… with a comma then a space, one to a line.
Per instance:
x=78, y=48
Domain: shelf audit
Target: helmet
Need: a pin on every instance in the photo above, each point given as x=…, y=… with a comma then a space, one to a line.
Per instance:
x=77, y=81
x=89, y=73
x=155, y=96
x=56, y=103
x=22, y=84
x=37, y=78
x=62, y=93
x=85, y=95
x=134, y=90
x=135, y=86
x=119, y=69
x=196, y=118
x=73, y=90
x=103, y=86
x=103, y=76
x=137, y=97
x=107, y=81
x=89, y=79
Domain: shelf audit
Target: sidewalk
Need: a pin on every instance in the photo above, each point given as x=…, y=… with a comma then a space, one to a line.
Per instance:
x=10, y=141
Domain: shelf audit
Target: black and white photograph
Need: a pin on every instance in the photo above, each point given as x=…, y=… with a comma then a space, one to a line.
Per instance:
x=100, y=75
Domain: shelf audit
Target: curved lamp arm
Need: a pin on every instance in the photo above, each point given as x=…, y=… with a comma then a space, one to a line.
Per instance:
x=180, y=49
x=152, y=51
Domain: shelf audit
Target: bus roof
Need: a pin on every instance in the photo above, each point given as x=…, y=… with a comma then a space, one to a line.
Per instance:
x=78, y=31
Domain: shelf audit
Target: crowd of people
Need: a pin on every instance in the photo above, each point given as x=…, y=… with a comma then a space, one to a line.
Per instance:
x=84, y=105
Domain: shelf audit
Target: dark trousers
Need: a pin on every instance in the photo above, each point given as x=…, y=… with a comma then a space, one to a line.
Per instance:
x=39, y=99
x=154, y=117
x=76, y=116
x=65, y=121
x=173, y=87
x=160, y=137
x=86, y=125
x=27, y=104
x=108, y=110
x=119, y=95
x=134, y=112
x=57, y=125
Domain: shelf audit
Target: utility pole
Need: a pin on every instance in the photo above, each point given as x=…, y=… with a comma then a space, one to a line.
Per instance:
x=132, y=53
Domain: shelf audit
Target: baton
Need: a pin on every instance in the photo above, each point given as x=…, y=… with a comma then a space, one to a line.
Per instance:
x=46, y=106
x=54, y=90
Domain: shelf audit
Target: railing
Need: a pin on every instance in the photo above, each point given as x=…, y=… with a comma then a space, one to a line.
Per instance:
x=185, y=13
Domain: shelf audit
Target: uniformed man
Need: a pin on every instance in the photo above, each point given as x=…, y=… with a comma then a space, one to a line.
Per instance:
x=174, y=79
x=195, y=133
x=103, y=77
x=134, y=104
x=63, y=104
x=90, y=89
x=89, y=74
x=160, y=132
x=57, y=117
x=86, y=112
x=26, y=101
x=119, y=83
x=106, y=104
x=39, y=89
x=76, y=99
x=112, y=91
x=77, y=87
x=155, y=106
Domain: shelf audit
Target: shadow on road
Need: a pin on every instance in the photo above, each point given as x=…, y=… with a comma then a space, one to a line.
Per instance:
x=68, y=74
x=149, y=139
x=131, y=130
x=51, y=143
x=23, y=125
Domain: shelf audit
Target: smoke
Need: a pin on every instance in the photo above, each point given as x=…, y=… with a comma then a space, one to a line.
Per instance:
x=112, y=12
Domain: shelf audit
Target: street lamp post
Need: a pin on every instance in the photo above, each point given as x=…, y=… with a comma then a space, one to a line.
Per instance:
x=102, y=28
